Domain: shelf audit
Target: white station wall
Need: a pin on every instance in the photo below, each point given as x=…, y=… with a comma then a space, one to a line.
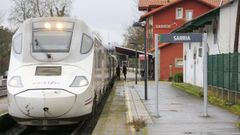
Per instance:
x=227, y=25
x=193, y=72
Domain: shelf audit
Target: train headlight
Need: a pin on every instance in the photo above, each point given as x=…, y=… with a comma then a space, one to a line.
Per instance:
x=59, y=25
x=15, y=81
x=47, y=25
x=79, y=81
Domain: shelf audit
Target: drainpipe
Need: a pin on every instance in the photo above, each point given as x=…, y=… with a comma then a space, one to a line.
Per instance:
x=236, y=41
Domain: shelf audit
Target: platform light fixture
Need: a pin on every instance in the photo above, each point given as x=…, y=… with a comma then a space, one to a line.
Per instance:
x=142, y=25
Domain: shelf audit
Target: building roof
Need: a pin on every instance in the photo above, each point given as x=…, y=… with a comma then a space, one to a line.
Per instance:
x=206, y=2
x=145, y=4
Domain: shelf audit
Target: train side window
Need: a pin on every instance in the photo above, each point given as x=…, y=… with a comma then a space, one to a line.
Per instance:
x=17, y=44
x=87, y=44
x=99, y=59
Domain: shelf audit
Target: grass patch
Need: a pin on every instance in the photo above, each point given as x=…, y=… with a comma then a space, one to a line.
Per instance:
x=138, y=123
x=198, y=91
x=191, y=89
x=237, y=124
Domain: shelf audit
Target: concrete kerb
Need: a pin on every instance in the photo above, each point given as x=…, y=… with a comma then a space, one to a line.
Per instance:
x=136, y=107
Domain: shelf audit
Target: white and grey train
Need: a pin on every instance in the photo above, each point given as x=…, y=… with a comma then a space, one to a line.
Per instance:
x=58, y=72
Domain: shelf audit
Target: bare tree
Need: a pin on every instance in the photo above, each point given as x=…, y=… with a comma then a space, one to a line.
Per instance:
x=134, y=36
x=1, y=17
x=24, y=9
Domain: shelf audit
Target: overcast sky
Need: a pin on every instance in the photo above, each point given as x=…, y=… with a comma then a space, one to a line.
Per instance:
x=108, y=17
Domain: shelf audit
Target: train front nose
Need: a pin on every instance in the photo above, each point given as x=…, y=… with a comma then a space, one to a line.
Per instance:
x=45, y=103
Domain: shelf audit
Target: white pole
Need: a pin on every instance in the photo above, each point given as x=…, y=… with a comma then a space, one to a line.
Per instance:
x=156, y=73
x=205, y=79
x=139, y=63
x=147, y=66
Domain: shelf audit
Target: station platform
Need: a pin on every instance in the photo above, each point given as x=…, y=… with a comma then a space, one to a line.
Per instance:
x=122, y=106
x=180, y=113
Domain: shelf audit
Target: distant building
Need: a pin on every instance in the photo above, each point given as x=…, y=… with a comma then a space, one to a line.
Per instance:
x=164, y=16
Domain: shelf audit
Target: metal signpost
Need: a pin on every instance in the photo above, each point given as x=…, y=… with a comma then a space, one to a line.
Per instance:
x=181, y=38
x=157, y=61
x=205, y=78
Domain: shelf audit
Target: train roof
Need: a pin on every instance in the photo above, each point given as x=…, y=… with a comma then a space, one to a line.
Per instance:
x=54, y=18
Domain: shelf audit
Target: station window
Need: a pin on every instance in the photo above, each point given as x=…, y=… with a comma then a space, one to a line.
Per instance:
x=178, y=62
x=87, y=44
x=215, y=31
x=189, y=15
x=179, y=13
x=17, y=44
x=200, y=52
x=200, y=44
x=215, y=39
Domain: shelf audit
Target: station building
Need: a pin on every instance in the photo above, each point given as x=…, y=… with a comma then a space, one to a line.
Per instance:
x=164, y=16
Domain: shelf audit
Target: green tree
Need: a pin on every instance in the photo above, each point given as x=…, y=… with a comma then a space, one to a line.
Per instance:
x=5, y=41
x=134, y=36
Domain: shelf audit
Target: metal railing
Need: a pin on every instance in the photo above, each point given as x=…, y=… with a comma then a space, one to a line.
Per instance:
x=3, y=87
x=3, y=91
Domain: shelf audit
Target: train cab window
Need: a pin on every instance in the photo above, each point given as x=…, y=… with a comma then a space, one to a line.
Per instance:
x=52, y=36
x=87, y=44
x=17, y=44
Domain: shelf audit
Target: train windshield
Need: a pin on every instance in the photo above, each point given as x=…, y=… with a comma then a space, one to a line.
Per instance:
x=52, y=36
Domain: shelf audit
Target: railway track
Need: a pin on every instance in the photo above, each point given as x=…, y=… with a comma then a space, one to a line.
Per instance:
x=9, y=127
x=16, y=129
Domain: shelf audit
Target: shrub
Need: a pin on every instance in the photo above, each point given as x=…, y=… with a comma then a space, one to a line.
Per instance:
x=138, y=123
x=178, y=77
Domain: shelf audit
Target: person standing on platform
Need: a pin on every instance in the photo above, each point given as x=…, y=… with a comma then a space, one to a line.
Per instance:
x=118, y=72
x=125, y=72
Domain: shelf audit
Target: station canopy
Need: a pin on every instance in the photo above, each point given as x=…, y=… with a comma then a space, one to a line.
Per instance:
x=131, y=53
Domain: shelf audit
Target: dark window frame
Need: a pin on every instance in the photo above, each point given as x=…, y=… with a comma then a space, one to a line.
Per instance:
x=43, y=29
x=82, y=44
x=21, y=35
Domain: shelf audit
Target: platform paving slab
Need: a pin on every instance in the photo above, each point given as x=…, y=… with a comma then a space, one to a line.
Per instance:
x=182, y=114
x=3, y=105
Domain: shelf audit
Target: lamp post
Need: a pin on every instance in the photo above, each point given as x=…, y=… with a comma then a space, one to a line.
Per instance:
x=136, y=64
x=138, y=24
